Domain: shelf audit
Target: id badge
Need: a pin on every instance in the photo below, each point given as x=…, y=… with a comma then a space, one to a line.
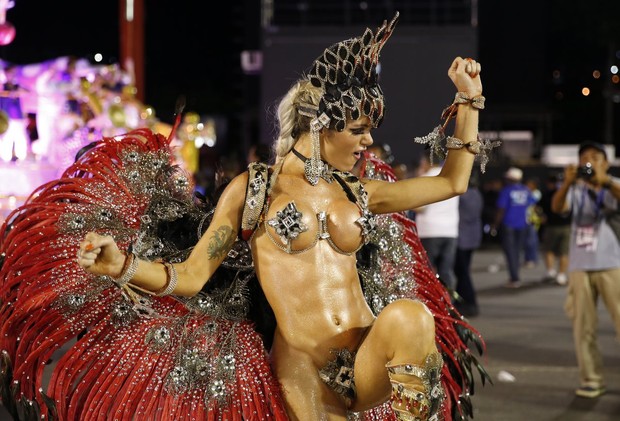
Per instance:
x=586, y=237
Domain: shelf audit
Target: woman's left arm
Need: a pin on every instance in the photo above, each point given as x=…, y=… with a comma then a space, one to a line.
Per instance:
x=453, y=179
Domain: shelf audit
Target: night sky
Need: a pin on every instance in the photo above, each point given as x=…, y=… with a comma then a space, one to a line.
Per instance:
x=194, y=51
x=523, y=43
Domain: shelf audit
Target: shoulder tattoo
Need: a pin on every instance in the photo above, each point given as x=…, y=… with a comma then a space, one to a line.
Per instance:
x=220, y=242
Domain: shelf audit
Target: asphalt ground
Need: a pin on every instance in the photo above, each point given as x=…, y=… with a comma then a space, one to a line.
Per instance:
x=530, y=354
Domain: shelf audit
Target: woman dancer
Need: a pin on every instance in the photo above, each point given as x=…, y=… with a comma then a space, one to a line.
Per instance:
x=304, y=220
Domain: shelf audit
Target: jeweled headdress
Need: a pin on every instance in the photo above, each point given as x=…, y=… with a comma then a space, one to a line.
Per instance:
x=346, y=72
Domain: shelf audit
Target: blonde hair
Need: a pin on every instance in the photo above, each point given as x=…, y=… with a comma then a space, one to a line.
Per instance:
x=291, y=124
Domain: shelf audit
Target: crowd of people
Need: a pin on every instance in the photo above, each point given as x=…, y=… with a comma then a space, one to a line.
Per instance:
x=575, y=217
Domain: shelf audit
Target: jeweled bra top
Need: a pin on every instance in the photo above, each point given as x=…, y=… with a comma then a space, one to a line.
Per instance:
x=285, y=226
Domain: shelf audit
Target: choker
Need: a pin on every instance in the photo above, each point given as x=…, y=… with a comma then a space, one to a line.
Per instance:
x=323, y=170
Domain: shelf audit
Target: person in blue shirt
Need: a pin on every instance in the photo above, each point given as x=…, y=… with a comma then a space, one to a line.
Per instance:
x=512, y=204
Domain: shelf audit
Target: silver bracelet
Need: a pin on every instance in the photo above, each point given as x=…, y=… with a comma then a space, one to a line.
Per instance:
x=172, y=280
x=456, y=143
x=463, y=98
x=128, y=273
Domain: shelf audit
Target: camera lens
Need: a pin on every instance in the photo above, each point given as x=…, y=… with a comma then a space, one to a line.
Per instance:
x=586, y=171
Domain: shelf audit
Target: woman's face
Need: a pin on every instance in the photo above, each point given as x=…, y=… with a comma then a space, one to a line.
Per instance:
x=343, y=149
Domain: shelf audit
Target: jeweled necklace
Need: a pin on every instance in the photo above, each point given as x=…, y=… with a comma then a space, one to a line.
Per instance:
x=324, y=170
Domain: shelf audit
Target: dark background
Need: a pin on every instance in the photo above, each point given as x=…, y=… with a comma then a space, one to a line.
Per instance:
x=193, y=48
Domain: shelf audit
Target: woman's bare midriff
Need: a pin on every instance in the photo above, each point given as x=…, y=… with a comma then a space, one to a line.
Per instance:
x=316, y=297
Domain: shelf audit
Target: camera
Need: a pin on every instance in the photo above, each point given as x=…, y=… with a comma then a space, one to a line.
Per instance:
x=586, y=171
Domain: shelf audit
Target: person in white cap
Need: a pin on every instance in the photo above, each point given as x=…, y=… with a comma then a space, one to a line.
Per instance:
x=512, y=203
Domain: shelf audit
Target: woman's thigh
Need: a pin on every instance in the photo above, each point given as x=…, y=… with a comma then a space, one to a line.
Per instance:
x=306, y=396
x=371, y=379
x=402, y=333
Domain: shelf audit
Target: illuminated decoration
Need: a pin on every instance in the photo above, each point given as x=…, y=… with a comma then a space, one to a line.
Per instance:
x=147, y=115
x=116, y=113
x=4, y=122
x=193, y=134
x=7, y=30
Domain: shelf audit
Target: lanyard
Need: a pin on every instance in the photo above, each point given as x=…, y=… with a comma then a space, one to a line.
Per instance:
x=598, y=203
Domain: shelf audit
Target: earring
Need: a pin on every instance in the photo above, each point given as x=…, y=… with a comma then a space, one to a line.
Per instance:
x=315, y=168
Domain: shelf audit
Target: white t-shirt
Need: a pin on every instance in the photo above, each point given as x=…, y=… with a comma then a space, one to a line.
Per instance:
x=594, y=245
x=440, y=219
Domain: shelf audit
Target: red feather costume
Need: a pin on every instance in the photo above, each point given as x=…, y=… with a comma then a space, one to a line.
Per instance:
x=122, y=355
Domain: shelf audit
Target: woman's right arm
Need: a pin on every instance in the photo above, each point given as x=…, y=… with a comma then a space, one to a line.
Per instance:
x=100, y=255
x=412, y=193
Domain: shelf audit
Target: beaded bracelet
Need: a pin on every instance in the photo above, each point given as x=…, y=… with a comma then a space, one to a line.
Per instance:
x=474, y=147
x=464, y=98
x=171, y=281
x=434, y=140
x=129, y=271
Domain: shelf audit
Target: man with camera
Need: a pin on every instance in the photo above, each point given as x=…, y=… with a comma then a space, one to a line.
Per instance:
x=591, y=195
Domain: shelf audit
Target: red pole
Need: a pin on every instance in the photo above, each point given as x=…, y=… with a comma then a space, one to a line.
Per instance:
x=132, y=41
